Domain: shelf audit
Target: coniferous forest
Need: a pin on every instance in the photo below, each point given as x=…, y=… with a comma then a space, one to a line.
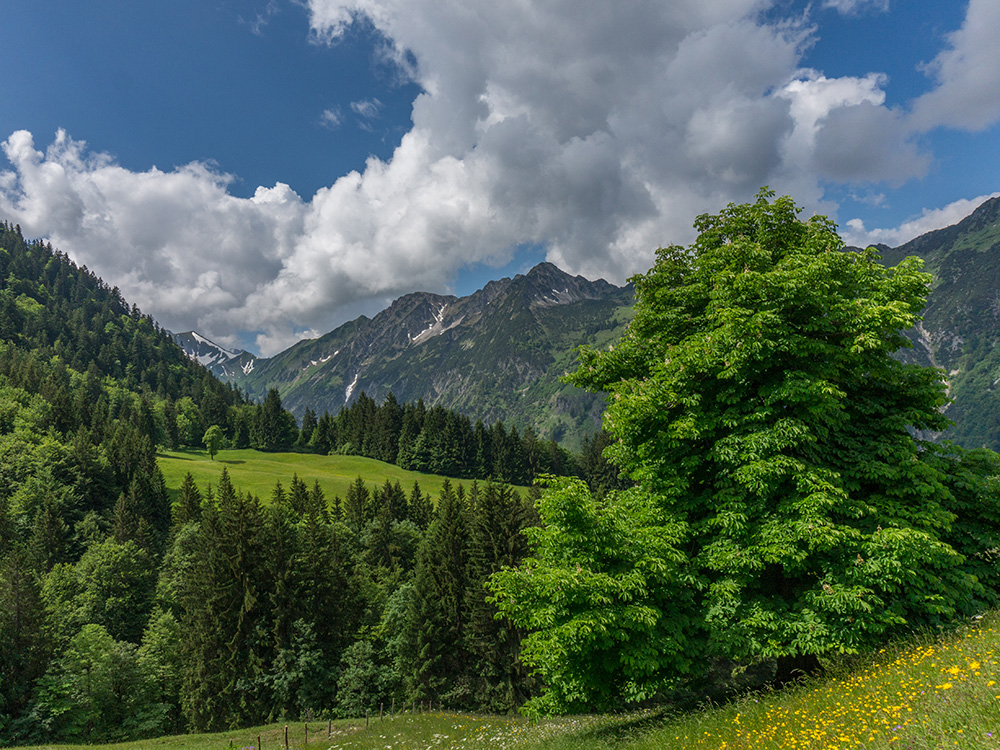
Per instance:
x=291, y=605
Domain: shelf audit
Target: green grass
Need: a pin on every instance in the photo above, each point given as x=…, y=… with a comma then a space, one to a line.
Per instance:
x=924, y=693
x=256, y=472
x=404, y=730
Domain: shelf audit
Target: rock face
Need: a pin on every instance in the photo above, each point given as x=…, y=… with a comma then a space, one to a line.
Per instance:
x=496, y=354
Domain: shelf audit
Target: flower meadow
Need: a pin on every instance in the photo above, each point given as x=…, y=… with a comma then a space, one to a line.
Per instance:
x=935, y=693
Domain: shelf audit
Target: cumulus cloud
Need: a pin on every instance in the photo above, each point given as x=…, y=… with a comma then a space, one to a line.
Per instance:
x=594, y=129
x=176, y=242
x=868, y=143
x=967, y=74
x=855, y=233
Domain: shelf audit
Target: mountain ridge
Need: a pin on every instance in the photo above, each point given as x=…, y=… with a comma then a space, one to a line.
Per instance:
x=495, y=354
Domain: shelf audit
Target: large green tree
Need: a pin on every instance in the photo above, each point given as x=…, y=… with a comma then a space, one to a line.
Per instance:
x=755, y=401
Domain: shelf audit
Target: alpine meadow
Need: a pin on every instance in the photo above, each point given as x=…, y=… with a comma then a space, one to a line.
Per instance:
x=770, y=501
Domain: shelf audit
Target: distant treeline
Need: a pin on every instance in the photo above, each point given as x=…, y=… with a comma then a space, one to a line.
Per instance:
x=441, y=441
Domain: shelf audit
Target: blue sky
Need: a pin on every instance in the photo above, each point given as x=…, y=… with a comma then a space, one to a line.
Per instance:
x=264, y=170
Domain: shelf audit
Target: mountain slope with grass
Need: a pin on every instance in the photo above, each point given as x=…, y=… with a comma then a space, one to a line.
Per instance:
x=960, y=332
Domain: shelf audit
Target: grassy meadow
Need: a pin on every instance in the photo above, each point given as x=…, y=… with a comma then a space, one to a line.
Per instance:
x=256, y=472
x=924, y=693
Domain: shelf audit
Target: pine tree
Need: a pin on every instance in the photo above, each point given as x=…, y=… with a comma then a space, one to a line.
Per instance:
x=298, y=496
x=24, y=646
x=224, y=615
x=388, y=426
x=187, y=509
x=308, y=427
x=421, y=511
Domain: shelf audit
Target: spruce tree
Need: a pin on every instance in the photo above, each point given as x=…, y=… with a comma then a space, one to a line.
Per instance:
x=187, y=509
x=496, y=541
x=442, y=670
x=224, y=615
x=420, y=510
x=357, y=506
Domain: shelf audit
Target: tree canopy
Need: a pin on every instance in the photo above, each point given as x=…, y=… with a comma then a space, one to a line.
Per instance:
x=784, y=507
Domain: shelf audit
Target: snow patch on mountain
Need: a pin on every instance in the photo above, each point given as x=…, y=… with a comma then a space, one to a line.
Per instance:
x=203, y=350
x=436, y=328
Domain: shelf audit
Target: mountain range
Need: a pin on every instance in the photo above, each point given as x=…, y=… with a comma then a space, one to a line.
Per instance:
x=498, y=354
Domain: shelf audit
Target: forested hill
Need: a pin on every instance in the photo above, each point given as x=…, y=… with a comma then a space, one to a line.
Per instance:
x=960, y=332
x=52, y=308
x=88, y=387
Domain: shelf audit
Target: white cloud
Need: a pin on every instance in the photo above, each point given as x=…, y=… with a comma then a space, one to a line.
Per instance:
x=868, y=143
x=175, y=242
x=853, y=7
x=855, y=233
x=368, y=108
x=331, y=117
x=598, y=130
x=967, y=74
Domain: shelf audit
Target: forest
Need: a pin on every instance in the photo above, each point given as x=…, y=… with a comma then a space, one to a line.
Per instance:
x=296, y=604
x=762, y=498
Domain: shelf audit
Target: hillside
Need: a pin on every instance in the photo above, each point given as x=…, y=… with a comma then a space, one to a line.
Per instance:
x=918, y=693
x=134, y=605
x=494, y=355
x=961, y=327
x=256, y=472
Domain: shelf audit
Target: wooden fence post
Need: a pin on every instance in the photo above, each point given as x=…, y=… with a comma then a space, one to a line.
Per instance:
x=286, y=737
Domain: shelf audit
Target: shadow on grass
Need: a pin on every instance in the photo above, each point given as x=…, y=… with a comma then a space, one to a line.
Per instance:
x=231, y=461
x=627, y=729
x=173, y=458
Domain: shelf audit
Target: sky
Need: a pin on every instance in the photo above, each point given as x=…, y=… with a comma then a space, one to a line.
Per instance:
x=262, y=171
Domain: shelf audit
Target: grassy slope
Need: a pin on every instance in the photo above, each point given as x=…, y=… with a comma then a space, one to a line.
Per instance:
x=256, y=472
x=921, y=694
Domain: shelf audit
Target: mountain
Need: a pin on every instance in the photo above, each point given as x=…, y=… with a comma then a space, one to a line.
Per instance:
x=496, y=354
x=221, y=361
x=961, y=328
